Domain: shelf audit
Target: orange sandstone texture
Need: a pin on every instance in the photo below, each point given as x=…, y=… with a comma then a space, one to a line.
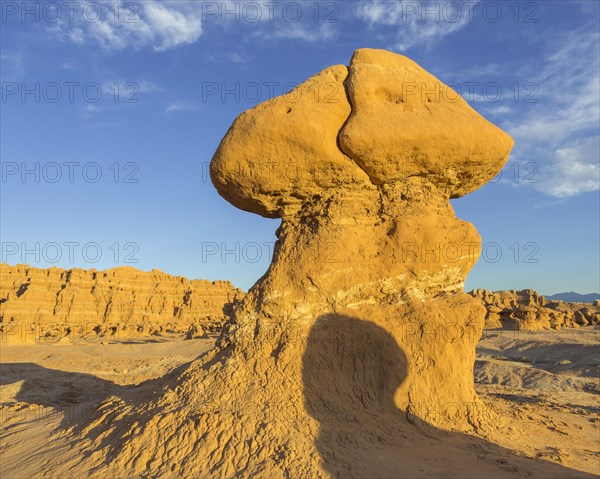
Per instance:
x=349, y=334
x=405, y=122
x=283, y=152
x=47, y=304
x=528, y=310
x=352, y=247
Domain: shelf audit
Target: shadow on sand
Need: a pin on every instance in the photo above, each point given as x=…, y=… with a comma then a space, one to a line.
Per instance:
x=351, y=369
x=74, y=396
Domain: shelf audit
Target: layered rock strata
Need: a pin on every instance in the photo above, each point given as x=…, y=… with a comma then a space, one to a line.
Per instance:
x=528, y=310
x=121, y=303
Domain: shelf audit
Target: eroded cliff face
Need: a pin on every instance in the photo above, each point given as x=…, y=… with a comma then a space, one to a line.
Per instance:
x=355, y=328
x=528, y=310
x=122, y=303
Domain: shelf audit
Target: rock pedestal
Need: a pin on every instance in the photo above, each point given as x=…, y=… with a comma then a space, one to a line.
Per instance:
x=367, y=228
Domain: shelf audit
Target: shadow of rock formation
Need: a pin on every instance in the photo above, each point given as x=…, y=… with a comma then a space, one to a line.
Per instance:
x=351, y=369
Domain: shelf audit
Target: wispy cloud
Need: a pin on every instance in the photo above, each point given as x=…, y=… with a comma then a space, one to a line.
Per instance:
x=478, y=71
x=146, y=86
x=179, y=106
x=237, y=58
x=561, y=132
x=500, y=110
x=574, y=169
x=587, y=6
x=309, y=33
x=156, y=25
x=412, y=28
x=162, y=26
x=89, y=111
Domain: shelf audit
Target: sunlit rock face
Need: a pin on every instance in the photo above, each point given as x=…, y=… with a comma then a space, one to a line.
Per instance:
x=360, y=322
x=360, y=164
x=47, y=305
x=528, y=310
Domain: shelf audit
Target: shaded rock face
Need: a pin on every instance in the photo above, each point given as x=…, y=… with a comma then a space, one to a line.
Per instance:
x=528, y=310
x=124, y=303
x=360, y=322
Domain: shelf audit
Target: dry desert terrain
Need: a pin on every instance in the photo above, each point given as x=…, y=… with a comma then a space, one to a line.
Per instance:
x=545, y=383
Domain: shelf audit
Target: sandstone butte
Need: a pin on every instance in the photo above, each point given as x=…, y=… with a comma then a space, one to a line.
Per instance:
x=41, y=305
x=345, y=344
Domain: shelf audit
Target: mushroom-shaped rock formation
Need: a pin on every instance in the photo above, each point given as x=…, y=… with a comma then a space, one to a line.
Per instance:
x=367, y=275
x=396, y=121
x=367, y=230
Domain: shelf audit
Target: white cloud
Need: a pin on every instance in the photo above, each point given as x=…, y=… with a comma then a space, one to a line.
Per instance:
x=172, y=27
x=309, y=22
x=417, y=23
x=107, y=36
x=587, y=6
x=162, y=26
x=478, y=71
x=561, y=132
x=237, y=58
x=157, y=25
x=121, y=89
x=179, y=106
x=76, y=36
x=474, y=97
x=500, y=110
x=89, y=111
x=574, y=169
x=298, y=31
x=146, y=86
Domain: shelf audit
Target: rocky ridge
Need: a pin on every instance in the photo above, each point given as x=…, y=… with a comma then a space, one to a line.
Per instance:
x=528, y=310
x=121, y=303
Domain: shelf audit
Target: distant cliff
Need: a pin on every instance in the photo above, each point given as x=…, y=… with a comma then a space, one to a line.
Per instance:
x=528, y=310
x=59, y=302
x=125, y=303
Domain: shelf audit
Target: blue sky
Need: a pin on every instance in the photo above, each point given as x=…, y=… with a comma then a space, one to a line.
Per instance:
x=110, y=117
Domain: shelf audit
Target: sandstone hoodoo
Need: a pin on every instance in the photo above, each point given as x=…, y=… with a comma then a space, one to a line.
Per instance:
x=346, y=336
x=374, y=171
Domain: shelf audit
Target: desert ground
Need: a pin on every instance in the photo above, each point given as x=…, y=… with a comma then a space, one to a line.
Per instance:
x=544, y=383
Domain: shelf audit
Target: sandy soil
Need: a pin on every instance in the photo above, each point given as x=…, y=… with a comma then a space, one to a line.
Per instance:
x=545, y=384
x=549, y=382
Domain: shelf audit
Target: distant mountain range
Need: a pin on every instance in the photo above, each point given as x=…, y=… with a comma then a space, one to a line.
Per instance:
x=573, y=297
